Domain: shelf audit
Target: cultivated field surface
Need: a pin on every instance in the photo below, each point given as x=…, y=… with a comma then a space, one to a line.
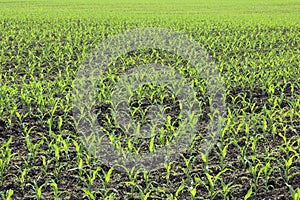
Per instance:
x=243, y=78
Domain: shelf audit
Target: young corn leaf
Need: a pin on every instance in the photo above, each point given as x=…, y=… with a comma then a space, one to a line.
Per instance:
x=181, y=187
x=248, y=195
x=107, y=176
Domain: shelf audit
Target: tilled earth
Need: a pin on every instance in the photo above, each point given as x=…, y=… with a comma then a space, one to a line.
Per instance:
x=37, y=154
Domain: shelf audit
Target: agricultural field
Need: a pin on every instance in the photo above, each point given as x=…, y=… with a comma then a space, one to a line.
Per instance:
x=220, y=78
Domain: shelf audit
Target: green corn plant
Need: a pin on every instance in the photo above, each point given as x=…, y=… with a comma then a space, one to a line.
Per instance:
x=55, y=190
x=152, y=145
x=57, y=172
x=60, y=123
x=143, y=192
x=50, y=124
x=210, y=187
x=56, y=150
x=107, y=177
x=8, y=195
x=88, y=158
x=168, y=171
x=20, y=117
x=132, y=175
x=204, y=157
x=88, y=194
x=24, y=173
x=80, y=166
x=295, y=193
x=254, y=167
x=91, y=177
x=146, y=175
x=130, y=145
x=12, y=112
x=193, y=191
x=188, y=166
x=110, y=197
x=65, y=147
x=33, y=148
x=37, y=189
x=145, y=196
x=254, y=141
x=226, y=188
x=5, y=158
x=162, y=135
x=287, y=166
x=267, y=170
x=180, y=189
x=78, y=150
x=223, y=154
x=249, y=193
x=242, y=149
x=46, y=162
